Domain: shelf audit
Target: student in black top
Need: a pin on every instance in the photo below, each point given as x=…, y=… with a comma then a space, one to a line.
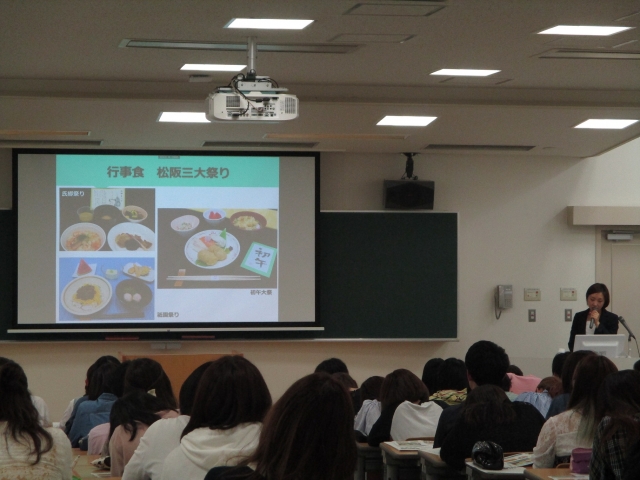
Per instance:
x=488, y=414
x=486, y=364
x=596, y=317
x=399, y=386
x=308, y=434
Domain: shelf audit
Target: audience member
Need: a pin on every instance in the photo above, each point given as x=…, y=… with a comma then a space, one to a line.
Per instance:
x=69, y=414
x=452, y=382
x=488, y=414
x=558, y=363
x=406, y=409
x=331, y=366
x=577, y=425
x=97, y=406
x=616, y=442
x=131, y=416
x=307, y=435
x=548, y=389
x=164, y=435
x=27, y=450
x=515, y=370
x=352, y=387
x=486, y=364
x=370, y=410
x=38, y=403
x=231, y=401
x=523, y=383
x=98, y=438
x=559, y=404
x=636, y=366
x=430, y=374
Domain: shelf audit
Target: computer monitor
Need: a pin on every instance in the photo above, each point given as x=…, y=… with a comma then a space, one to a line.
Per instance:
x=611, y=346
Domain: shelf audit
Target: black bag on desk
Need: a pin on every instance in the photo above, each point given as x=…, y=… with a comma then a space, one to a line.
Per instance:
x=488, y=455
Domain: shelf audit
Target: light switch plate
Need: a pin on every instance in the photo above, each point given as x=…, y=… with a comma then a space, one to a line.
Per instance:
x=532, y=294
x=568, y=315
x=532, y=315
x=568, y=294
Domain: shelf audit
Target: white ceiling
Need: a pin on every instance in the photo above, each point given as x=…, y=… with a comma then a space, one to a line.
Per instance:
x=62, y=68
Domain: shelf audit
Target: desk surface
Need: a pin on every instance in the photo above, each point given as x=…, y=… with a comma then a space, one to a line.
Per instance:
x=546, y=473
x=399, y=454
x=432, y=459
x=85, y=470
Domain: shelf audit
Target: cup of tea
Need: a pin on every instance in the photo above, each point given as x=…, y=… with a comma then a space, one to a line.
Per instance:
x=85, y=214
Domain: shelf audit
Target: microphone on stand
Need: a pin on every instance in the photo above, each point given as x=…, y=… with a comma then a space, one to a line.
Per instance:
x=591, y=322
x=624, y=324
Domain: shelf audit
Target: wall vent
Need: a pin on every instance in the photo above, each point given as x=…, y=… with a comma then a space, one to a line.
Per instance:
x=576, y=54
x=270, y=145
x=50, y=143
x=494, y=148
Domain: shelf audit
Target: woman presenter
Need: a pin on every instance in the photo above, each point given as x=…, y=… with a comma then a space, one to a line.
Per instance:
x=595, y=320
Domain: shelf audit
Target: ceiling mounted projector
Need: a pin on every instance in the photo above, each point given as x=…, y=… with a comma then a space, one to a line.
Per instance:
x=251, y=101
x=251, y=98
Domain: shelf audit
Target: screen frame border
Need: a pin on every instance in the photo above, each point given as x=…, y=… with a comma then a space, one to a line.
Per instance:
x=161, y=330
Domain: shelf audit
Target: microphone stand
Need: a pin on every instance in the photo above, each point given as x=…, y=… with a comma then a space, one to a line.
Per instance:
x=631, y=335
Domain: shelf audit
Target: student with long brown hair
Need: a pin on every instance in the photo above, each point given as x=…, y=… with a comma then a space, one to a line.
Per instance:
x=27, y=450
x=577, y=426
x=226, y=419
x=307, y=435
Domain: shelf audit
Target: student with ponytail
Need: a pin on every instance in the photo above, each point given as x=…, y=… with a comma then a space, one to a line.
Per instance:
x=27, y=450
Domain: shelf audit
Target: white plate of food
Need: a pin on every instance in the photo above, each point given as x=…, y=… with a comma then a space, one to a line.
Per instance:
x=131, y=237
x=86, y=295
x=212, y=249
x=136, y=270
x=83, y=237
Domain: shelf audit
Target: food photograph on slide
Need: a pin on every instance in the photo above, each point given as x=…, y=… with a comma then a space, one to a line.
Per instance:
x=105, y=288
x=107, y=219
x=217, y=248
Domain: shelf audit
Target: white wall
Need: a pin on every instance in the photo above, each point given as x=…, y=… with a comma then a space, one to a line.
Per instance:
x=513, y=229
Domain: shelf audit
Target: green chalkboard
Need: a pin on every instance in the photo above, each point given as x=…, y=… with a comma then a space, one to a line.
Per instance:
x=382, y=275
x=386, y=275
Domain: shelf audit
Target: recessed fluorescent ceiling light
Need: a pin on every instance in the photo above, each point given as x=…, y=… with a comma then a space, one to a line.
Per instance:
x=268, y=23
x=606, y=123
x=583, y=30
x=204, y=67
x=406, y=121
x=464, y=72
x=184, y=117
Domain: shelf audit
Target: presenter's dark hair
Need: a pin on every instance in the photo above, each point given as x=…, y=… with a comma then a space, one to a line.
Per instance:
x=486, y=363
x=599, y=288
x=17, y=410
x=401, y=385
x=452, y=375
x=430, y=374
x=308, y=434
x=370, y=388
x=230, y=392
x=148, y=376
x=569, y=368
x=331, y=366
x=189, y=388
x=558, y=363
x=619, y=399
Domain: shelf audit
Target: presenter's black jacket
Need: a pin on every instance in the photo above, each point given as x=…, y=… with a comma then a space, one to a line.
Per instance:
x=521, y=435
x=608, y=325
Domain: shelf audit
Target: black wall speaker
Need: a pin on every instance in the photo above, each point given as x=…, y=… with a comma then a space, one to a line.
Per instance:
x=407, y=194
